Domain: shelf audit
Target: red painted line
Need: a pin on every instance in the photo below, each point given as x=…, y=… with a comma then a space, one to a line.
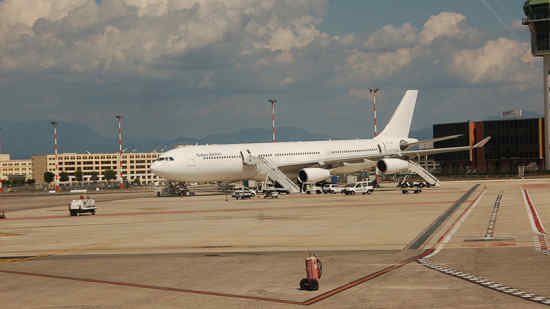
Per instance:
x=365, y=278
x=145, y=213
x=542, y=242
x=211, y=293
x=540, y=229
x=153, y=287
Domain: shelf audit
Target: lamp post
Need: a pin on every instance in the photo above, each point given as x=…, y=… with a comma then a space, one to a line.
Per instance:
x=373, y=92
x=273, y=101
x=54, y=124
x=118, y=118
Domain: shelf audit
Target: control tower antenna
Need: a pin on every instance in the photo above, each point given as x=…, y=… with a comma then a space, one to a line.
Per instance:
x=537, y=14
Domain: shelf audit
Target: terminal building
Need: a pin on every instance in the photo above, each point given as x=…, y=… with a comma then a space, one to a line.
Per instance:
x=136, y=167
x=15, y=169
x=514, y=143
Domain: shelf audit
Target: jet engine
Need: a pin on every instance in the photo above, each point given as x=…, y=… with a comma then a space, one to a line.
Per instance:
x=313, y=175
x=392, y=166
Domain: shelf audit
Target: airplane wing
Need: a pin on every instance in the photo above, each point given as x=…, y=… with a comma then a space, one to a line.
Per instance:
x=432, y=151
x=431, y=141
x=364, y=162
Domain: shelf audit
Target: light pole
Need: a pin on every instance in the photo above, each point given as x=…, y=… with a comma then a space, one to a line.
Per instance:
x=373, y=92
x=118, y=118
x=54, y=124
x=273, y=101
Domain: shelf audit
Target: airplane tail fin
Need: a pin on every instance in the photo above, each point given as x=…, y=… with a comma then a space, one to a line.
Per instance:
x=400, y=122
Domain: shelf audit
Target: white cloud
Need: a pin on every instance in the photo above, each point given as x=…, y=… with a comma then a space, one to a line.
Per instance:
x=132, y=35
x=391, y=37
x=445, y=25
x=501, y=60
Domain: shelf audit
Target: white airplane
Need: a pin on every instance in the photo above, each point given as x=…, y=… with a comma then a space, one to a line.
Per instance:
x=307, y=162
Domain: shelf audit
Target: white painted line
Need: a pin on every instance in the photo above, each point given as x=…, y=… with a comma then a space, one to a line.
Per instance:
x=458, y=224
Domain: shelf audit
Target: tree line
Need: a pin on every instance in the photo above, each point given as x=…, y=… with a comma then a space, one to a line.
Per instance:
x=108, y=175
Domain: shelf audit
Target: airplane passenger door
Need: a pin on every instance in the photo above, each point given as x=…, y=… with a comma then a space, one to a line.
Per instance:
x=191, y=160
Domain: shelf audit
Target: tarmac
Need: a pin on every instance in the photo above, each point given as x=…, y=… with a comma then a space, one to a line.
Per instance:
x=468, y=244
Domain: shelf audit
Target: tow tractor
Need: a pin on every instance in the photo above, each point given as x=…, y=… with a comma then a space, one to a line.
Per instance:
x=83, y=205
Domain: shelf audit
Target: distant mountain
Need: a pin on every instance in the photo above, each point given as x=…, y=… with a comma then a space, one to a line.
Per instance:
x=24, y=139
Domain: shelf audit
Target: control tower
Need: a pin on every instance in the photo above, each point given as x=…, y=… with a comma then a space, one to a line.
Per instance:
x=537, y=14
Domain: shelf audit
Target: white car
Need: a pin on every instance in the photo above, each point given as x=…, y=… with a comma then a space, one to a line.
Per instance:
x=243, y=193
x=332, y=188
x=362, y=187
x=313, y=189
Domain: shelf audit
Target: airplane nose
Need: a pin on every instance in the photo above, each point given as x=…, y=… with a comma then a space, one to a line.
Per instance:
x=155, y=168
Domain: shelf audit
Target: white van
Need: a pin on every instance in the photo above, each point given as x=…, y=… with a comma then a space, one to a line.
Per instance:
x=362, y=187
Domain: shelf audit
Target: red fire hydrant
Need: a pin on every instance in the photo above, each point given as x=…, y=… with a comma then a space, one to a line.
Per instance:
x=314, y=270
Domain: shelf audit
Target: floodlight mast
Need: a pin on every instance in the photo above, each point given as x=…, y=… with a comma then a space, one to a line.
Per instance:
x=374, y=92
x=273, y=101
x=537, y=14
x=54, y=124
x=118, y=118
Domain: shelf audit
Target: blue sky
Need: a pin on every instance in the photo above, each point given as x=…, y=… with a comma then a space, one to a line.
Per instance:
x=357, y=15
x=198, y=67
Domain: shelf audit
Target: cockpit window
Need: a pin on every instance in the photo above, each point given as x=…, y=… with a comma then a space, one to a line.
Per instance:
x=165, y=159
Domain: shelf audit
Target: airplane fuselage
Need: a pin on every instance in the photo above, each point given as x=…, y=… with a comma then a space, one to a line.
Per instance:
x=201, y=163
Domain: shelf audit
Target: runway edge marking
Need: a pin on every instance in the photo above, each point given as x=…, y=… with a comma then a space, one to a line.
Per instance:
x=537, y=227
x=419, y=242
x=498, y=287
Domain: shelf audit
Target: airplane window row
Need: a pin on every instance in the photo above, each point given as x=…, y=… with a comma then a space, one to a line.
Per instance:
x=264, y=155
x=221, y=157
x=297, y=153
x=354, y=150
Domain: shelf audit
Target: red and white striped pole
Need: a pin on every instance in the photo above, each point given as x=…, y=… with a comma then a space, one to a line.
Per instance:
x=273, y=101
x=54, y=124
x=373, y=92
x=118, y=118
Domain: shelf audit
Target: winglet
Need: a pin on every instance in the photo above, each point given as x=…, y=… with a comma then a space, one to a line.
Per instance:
x=482, y=143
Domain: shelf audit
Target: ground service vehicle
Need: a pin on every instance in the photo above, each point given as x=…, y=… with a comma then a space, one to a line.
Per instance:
x=332, y=188
x=243, y=193
x=362, y=187
x=83, y=205
x=271, y=194
x=310, y=189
